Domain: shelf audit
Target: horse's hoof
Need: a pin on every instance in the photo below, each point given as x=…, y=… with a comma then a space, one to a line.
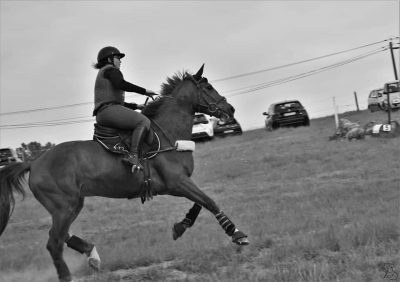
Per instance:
x=242, y=242
x=94, y=259
x=94, y=264
x=177, y=230
x=240, y=238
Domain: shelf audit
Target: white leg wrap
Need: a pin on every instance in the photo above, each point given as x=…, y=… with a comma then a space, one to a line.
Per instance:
x=94, y=259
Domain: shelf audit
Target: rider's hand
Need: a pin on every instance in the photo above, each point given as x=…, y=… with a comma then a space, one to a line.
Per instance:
x=150, y=93
x=140, y=106
x=131, y=106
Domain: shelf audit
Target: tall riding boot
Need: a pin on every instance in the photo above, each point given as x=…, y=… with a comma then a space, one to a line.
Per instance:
x=138, y=135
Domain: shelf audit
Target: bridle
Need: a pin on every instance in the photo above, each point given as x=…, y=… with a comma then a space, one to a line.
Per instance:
x=212, y=105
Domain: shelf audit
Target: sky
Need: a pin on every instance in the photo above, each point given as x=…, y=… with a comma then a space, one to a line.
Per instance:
x=48, y=48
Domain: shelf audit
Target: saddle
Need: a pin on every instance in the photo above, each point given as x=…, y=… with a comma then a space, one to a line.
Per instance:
x=119, y=141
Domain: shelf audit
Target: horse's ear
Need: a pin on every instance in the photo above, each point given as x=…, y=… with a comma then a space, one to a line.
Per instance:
x=199, y=73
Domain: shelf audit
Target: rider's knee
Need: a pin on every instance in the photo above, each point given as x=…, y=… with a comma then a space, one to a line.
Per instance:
x=145, y=122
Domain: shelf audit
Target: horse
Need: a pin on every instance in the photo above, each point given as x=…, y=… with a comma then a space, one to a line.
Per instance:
x=62, y=177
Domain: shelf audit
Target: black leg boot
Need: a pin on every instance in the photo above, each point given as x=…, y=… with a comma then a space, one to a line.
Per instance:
x=138, y=135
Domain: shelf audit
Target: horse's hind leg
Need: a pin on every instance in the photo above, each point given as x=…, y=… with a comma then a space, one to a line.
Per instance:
x=186, y=188
x=82, y=246
x=63, y=209
x=55, y=245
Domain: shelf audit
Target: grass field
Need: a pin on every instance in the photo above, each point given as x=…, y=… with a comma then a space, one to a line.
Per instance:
x=314, y=210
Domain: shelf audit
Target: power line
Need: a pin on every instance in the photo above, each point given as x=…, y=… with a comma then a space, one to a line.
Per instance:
x=27, y=125
x=217, y=80
x=251, y=89
x=48, y=122
x=256, y=87
x=45, y=109
x=242, y=91
x=299, y=62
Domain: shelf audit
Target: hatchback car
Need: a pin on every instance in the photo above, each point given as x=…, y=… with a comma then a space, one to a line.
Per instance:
x=375, y=99
x=203, y=127
x=285, y=114
x=227, y=128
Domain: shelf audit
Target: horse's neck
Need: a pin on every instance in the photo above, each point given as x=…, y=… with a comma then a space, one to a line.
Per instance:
x=176, y=122
x=176, y=119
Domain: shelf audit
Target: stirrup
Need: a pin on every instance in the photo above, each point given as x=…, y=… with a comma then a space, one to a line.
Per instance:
x=133, y=159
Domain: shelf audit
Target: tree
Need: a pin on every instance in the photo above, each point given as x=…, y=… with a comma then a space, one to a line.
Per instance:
x=33, y=150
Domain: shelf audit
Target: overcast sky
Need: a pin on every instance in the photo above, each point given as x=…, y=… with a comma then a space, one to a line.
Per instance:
x=47, y=48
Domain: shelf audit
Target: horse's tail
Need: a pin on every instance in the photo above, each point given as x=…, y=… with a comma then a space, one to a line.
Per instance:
x=11, y=177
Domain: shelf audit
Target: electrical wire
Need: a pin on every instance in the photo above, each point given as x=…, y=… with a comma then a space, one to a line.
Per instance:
x=299, y=62
x=252, y=88
x=45, y=109
x=217, y=80
x=240, y=91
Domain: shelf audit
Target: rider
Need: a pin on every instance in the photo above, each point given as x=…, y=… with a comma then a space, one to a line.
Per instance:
x=110, y=107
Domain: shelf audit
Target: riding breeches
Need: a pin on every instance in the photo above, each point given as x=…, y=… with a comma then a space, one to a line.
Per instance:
x=118, y=116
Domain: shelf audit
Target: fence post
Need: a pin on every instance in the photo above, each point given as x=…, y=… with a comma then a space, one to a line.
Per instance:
x=355, y=97
x=336, y=113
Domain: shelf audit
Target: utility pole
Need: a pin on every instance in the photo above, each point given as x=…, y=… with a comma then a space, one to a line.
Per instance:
x=393, y=61
x=395, y=76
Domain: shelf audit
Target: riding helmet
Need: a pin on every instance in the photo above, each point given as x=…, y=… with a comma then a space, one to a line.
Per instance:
x=109, y=51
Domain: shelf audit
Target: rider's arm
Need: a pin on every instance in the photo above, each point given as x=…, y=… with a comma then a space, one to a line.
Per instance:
x=131, y=106
x=117, y=80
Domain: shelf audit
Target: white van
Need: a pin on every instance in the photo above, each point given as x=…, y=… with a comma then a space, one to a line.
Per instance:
x=391, y=89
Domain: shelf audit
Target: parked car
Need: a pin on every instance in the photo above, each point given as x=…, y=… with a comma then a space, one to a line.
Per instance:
x=7, y=156
x=375, y=99
x=287, y=113
x=227, y=128
x=203, y=127
x=391, y=89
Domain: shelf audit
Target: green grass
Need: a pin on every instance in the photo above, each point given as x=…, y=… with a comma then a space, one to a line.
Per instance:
x=314, y=210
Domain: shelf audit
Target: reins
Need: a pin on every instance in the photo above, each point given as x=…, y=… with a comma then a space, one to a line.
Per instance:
x=212, y=107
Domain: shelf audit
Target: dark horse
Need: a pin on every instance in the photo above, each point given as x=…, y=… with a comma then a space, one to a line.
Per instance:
x=62, y=177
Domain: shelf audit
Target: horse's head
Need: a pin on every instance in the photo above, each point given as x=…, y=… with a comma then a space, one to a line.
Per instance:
x=208, y=100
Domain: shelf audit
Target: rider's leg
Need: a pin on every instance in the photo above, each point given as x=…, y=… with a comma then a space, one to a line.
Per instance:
x=118, y=116
x=138, y=135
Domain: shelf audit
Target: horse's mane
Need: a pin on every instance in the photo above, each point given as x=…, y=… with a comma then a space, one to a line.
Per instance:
x=166, y=89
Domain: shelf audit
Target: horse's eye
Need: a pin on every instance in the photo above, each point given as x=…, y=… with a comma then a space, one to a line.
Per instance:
x=209, y=87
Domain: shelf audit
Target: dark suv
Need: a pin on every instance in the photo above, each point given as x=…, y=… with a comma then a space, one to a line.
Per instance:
x=287, y=113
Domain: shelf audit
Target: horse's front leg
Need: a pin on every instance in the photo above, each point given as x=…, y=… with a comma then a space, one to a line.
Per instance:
x=180, y=227
x=186, y=188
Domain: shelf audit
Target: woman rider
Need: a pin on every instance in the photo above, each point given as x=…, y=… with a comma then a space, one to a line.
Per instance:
x=110, y=108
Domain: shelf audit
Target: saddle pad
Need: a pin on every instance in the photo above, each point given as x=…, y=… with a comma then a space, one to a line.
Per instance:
x=110, y=139
x=118, y=141
x=112, y=144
